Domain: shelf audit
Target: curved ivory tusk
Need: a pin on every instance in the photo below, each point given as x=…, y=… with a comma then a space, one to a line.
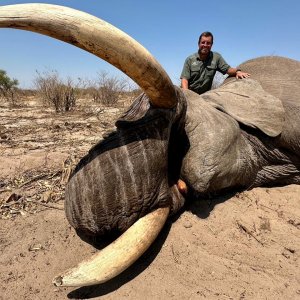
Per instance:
x=119, y=255
x=98, y=37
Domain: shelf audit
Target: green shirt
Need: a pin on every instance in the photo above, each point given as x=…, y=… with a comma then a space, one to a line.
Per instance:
x=200, y=74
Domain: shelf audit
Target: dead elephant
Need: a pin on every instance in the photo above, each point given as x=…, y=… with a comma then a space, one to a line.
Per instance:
x=244, y=134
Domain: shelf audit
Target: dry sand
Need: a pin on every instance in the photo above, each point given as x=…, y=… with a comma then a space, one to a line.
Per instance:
x=240, y=246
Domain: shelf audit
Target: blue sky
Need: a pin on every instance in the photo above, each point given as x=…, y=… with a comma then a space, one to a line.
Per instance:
x=169, y=29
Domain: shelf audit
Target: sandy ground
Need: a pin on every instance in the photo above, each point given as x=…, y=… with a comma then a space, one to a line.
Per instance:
x=240, y=246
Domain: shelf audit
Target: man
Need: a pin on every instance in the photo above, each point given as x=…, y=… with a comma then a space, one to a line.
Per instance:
x=200, y=68
x=198, y=73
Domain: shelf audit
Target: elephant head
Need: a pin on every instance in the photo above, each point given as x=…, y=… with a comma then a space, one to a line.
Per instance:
x=127, y=175
x=235, y=136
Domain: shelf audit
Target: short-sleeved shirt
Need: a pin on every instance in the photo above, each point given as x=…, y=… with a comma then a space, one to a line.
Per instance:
x=200, y=74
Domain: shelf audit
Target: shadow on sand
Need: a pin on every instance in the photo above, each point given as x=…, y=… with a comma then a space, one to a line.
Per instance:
x=200, y=206
x=138, y=267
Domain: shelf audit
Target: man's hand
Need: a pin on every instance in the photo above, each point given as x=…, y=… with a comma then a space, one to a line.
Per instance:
x=241, y=75
x=237, y=73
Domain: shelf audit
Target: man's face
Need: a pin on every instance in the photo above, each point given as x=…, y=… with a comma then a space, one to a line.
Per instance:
x=205, y=45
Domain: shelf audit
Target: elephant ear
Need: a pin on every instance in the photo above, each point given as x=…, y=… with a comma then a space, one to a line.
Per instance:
x=248, y=103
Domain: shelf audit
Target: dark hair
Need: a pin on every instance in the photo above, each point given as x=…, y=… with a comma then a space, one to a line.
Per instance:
x=206, y=34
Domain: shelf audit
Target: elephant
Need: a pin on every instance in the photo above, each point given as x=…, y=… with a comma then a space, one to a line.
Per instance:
x=242, y=135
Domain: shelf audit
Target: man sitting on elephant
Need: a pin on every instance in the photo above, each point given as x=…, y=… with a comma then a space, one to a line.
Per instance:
x=200, y=68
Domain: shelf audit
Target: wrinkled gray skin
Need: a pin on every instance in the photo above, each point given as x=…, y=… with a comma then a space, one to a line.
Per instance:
x=224, y=153
x=128, y=174
x=241, y=135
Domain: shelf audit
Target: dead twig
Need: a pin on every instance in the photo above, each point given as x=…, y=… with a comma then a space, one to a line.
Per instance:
x=268, y=207
x=286, y=248
x=5, y=190
x=65, y=175
x=40, y=176
x=4, y=205
x=248, y=231
x=37, y=177
x=46, y=204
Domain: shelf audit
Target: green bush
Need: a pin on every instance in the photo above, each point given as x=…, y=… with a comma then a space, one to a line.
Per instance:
x=8, y=87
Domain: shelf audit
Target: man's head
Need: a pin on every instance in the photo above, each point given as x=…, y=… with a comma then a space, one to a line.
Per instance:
x=205, y=43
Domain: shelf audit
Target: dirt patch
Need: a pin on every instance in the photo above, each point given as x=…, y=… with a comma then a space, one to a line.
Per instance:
x=242, y=246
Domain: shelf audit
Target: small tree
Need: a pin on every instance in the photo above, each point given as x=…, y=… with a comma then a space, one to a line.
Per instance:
x=56, y=92
x=107, y=89
x=8, y=87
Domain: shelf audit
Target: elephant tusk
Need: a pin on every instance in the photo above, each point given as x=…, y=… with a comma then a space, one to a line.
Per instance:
x=98, y=37
x=117, y=256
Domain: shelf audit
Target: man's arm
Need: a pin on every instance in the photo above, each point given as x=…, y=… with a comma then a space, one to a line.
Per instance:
x=184, y=83
x=237, y=73
x=185, y=74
